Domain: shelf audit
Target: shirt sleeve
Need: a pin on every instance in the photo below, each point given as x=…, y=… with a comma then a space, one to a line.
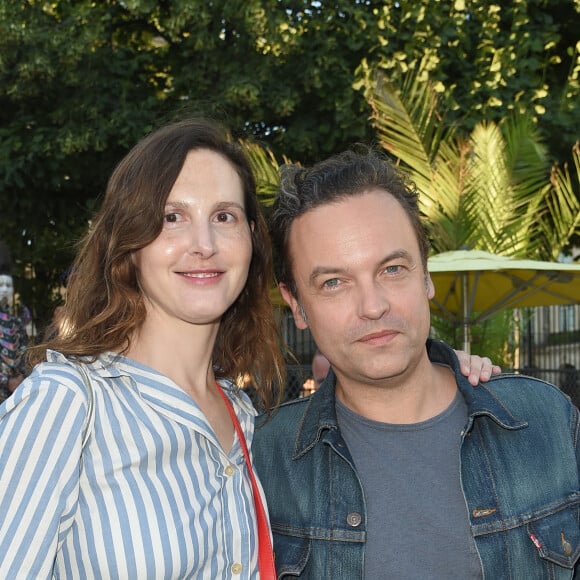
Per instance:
x=41, y=428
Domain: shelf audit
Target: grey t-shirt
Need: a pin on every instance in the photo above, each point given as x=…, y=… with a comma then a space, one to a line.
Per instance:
x=417, y=522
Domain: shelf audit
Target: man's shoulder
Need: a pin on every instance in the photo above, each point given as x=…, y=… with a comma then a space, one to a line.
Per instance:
x=521, y=392
x=510, y=381
x=286, y=417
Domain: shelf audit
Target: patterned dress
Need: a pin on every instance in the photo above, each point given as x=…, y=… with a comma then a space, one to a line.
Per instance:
x=13, y=342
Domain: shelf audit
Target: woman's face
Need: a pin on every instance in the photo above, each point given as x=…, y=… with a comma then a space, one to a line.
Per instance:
x=6, y=289
x=198, y=265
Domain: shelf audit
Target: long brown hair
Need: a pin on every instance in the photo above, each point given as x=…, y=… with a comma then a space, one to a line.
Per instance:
x=104, y=305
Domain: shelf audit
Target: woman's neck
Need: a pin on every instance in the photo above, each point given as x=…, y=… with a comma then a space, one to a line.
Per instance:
x=182, y=352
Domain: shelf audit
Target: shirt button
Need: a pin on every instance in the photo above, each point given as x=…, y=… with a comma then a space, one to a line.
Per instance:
x=230, y=470
x=236, y=568
x=354, y=519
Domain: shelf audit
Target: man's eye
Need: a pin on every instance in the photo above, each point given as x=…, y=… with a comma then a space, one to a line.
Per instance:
x=392, y=269
x=332, y=283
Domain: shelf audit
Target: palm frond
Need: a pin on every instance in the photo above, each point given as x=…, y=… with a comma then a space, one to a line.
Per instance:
x=562, y=219
x=407, y=123
x=443, y=203
x=528, y=164
x=412, y=130
x=265, y=167
x=527, y=157
x=492, y=203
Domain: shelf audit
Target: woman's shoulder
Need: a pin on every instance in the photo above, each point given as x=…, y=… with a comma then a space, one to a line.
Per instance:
x=60, y=368
x=54, y=380
x=54, y=403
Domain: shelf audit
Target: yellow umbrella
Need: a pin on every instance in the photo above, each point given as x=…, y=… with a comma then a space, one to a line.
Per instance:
x=471, y=285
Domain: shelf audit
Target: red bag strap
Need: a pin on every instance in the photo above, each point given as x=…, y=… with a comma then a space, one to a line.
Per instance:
x=265, y=553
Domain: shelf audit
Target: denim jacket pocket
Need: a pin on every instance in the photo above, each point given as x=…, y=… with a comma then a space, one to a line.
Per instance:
x=291, y=554
x=557, y=537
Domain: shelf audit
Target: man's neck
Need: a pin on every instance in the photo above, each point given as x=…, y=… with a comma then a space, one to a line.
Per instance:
x=400, y=400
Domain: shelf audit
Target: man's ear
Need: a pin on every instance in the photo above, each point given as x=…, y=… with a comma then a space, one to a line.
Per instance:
x=430, y=286
x=297, y=311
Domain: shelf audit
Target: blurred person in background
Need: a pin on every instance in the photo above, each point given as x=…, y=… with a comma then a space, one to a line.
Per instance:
x=320, y=367
x=14, y=319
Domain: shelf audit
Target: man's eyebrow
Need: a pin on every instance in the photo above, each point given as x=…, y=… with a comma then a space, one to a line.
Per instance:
x=398, y=254
x=401, y=255
x=323, y=270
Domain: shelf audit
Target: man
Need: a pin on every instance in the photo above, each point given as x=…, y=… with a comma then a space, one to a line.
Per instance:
x=397, y=467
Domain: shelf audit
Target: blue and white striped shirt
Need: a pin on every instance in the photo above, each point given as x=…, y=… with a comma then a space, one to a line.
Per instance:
x=152, y=495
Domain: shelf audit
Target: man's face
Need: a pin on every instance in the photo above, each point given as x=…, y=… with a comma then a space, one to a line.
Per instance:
x=362, y=287
x=6, y=289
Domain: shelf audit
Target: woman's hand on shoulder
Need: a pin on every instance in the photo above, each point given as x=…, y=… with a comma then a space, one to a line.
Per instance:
x=476, y=368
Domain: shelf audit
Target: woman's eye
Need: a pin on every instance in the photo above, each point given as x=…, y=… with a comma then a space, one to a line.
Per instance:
x=225, y=217
x=171, y=218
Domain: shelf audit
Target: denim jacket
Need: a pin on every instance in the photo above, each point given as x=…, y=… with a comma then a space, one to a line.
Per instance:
x=519, y=475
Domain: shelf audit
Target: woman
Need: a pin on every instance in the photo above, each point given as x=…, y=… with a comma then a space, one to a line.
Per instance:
x=169, y=294
x=135, y=472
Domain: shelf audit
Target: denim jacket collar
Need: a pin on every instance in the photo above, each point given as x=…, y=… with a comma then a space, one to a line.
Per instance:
x=319, y=417
x=320, y=414
x=480, y=400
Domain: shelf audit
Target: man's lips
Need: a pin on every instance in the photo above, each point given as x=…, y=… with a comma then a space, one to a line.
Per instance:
x=380, y=336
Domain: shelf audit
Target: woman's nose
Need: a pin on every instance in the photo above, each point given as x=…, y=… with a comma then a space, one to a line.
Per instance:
x=202, y=240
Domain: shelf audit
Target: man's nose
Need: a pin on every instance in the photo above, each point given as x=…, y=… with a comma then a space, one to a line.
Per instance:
x=373, y=300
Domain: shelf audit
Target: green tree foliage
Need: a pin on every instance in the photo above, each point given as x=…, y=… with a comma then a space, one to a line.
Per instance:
x=489, y=58
x=74, y=96
x=82, y=81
